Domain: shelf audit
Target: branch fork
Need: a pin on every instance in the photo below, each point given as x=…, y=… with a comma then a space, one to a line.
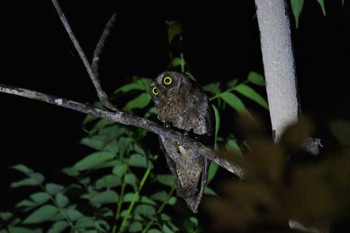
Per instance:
x=114, y=114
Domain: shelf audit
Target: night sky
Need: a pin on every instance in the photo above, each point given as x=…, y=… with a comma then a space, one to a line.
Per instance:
x=221, y=43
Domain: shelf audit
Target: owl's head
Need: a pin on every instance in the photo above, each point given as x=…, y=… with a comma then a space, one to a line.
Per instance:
x=168, y=85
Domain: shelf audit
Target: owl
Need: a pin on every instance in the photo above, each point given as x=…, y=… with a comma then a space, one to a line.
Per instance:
x=183, y=106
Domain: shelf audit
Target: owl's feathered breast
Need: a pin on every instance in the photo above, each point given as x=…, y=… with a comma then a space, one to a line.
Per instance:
x=187, y=112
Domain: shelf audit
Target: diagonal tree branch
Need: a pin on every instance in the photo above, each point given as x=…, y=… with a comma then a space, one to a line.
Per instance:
x=95, y=64
x=117, y=115
x=100, y=45
x=94, y=78
x=131, y=120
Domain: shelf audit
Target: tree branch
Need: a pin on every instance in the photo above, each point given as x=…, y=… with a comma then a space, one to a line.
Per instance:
x=94, y=78
x=277, y=53
x=131, y=120
x=100, y=45
x=117, y=116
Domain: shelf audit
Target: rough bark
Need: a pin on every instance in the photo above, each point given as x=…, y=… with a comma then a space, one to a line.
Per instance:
x=279, y=69
x=131, y=120
x=278, y=62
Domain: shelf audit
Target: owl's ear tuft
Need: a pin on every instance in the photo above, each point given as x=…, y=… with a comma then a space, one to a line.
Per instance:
x=167, y=80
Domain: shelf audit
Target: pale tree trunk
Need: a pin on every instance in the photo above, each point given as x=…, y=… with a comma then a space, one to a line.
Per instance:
x=278, y=61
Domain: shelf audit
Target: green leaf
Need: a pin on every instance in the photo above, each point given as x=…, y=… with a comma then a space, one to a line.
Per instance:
x=194, y=221
x=167, y=180
x=212, y=88
x=96, y=142
x=38, y=177
x=53, y=188
x=174, y=29
x=42, y=214
x=176, y=229
x=213, y=168
x=58, y=227
x=256, y=79
x=119, y=169
x=93, y=160
x=27, y=204
x=108, y=181
x=85, y=181
x=139, y=83
x=172, y=201
x=73, y=214
x=23, y=168
x=209, y=191
x=165, y=217
x=297, y=7
x=61, y=200
x=137, y=160
x=234, y=102
x=145, y=210
x=232, y=83
x=104, y=137
x=141, y=101
x=112, y=147
x=69, y=171
x=189, y=74
x=191, y=225
x=154, y=231
x=19, y=230
x=231, y=144
x=321, y=2
x=105, y=197
x=40, y=197
x=135, y=227
x=166, y=229
x=102, y=226
x=146, y=200
x=87, y=120
x=130, y=179
x=138, y=149
x=5, y=215
x=151, y=111
x=24, y=182
x=85, y=222
x=128, y=197
x=252, y=94
x=124, y=144
x=177, y=61
x=159, y=196
x=100, y=124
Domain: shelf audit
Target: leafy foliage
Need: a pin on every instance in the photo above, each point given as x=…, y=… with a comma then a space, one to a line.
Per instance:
x=118, y=187
x=285, y=186
x=297, y=7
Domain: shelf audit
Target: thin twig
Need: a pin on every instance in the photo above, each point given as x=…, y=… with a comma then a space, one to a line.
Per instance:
x=132, y=120
x=100, y=45
x=95, y=63
x=101, y=94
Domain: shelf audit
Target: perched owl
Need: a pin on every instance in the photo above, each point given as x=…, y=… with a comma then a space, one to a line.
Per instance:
x=182, y=105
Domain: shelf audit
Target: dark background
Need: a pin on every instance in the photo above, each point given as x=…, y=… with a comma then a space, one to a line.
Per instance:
x=221, y=43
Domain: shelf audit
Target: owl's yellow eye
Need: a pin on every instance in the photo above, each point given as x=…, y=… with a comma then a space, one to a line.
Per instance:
x=155, y=91
x=167, y=80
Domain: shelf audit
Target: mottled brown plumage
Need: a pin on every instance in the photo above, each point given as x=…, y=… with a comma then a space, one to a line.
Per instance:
x=182, y=105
